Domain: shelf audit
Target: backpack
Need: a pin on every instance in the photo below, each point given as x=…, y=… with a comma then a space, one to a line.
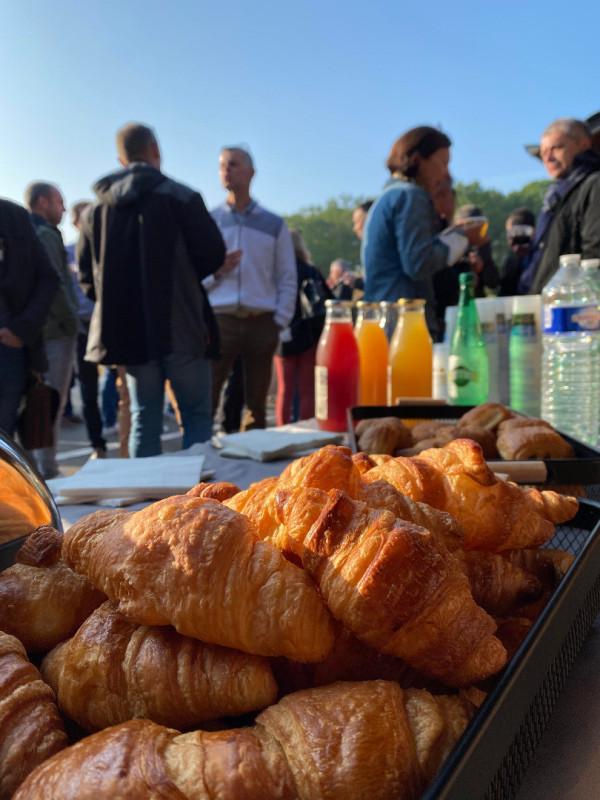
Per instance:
x=312, y=298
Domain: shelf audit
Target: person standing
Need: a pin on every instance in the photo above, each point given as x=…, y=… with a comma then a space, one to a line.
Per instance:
x=254, y=292
x=145, y=246
x=45, y=202
x=28, y=284
x=401, y=249
x=569, y=221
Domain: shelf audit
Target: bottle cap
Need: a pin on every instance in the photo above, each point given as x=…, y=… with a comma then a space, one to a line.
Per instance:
x=590, y=263
x=569, y=258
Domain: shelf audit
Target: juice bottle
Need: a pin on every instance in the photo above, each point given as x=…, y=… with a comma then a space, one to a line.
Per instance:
x=337, y=368
x=411, y=353
x=373, y=350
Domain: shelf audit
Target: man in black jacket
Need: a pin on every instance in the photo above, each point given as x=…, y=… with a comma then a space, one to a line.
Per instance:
x=27, y=288
x=145, y=247
x=569, y=221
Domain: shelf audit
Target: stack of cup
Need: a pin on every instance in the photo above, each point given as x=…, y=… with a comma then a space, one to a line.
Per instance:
x=525, y=351
x=487, y=311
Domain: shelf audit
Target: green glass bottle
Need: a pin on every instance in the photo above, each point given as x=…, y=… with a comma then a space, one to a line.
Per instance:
x=468, y=363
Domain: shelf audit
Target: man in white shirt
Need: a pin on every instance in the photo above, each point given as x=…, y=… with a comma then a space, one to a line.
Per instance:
x=254, y=293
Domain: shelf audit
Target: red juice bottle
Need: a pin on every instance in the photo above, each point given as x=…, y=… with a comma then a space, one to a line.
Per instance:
x=337, y=368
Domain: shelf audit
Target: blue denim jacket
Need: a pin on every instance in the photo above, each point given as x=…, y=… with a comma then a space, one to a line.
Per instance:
x=400, y=249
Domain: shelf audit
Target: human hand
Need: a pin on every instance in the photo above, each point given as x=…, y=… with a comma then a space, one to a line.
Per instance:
x=9, y=338
x=232, y=260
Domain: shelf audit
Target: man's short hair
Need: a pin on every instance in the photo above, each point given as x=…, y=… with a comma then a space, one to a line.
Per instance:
x=133, y=141
x=344, y=266
x=243, y=150
x=77, y=210
x=573, y=128
x=35, y=190
x=365, y=206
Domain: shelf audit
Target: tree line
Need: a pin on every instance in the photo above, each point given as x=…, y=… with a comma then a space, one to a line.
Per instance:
x=327, y=229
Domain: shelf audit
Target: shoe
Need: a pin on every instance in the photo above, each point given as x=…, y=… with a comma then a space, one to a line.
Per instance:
x=74, y=419
x=99, y=452
x=111, y=430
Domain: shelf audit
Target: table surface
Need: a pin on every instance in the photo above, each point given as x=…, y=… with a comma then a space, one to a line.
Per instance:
x=566, y=763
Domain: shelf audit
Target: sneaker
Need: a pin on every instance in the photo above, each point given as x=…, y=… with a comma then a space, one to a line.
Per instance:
x=99, y=452
x=111, y=430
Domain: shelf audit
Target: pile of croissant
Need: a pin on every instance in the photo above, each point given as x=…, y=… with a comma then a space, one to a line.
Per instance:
x=325, y=634
x=499, y=432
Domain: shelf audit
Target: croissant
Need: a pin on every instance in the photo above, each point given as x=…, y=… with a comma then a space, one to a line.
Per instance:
x=495, y=514
x=498, y=585
x=221, y=491
x=331, y=467
x=346, y=741
x=30, y=726
x=195, y=564
x=486, y=415
x=548, y=565
x=114, y=670
x=42, y=601
x=382, y=435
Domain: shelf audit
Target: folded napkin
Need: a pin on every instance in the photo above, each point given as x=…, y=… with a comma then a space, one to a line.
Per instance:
x=123, y=481
x=268, y=444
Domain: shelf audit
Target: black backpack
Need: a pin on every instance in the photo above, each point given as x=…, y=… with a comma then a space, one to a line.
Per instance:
x=312, y=298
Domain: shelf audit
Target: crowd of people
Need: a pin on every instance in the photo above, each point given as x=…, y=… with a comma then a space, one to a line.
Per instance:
x=167, y=296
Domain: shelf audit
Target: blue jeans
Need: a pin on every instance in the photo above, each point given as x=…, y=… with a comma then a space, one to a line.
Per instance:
x=110, y=397
x=13, y=376
x=190, y=378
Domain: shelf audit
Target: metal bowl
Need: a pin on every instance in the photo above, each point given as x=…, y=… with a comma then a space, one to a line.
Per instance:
x=25, y=500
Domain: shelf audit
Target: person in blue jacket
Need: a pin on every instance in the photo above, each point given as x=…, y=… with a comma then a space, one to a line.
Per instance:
x=401, y=249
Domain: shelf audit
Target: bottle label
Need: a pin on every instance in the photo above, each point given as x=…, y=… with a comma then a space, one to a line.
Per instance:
x=321, y=398
x=460, y=375
x=570, y=319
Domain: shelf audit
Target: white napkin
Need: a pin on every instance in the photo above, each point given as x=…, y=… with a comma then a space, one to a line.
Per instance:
x=123, y=481
x=268, y=444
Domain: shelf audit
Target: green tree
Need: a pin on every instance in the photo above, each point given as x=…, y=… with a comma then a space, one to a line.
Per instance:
x=327, y=231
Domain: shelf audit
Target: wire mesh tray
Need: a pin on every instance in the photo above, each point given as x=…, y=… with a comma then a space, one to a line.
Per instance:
x=583, y=469
x=490, y=760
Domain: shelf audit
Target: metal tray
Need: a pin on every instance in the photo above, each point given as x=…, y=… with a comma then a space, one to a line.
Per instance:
x=491, y=758
x=583, y=469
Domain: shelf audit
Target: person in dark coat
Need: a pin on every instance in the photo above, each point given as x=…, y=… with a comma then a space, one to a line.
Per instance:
x=28, y=284
x=569, y=221
x=145, y=246
x=519, y=231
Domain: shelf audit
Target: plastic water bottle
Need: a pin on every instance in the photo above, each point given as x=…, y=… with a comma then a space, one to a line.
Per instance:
x=525, y=353
x=571, y=321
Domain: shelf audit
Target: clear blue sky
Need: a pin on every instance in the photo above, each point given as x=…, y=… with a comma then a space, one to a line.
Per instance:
x=319, y=90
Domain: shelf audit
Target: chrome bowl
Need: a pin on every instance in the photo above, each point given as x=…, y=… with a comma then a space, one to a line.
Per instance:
x=25, y=500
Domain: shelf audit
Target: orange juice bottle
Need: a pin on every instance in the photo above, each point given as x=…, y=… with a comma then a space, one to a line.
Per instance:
x=373, y=350
x=411, y=353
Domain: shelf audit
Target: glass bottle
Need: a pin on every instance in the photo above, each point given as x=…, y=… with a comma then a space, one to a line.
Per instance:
x=389, y=318
x=411, y=353
x=468, y=363
x=337, y=368
x=373, y=350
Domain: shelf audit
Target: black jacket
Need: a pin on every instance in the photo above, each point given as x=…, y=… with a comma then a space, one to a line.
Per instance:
x=575, y=226
x=307, y=323
x=28, y=283
x=145, y=247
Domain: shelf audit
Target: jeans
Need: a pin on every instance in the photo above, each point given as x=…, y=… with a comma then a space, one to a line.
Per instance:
x=110, y=397
x=190, y=379
x=295, y=372
x=13, y=376
x=61, y=357
x=88, y=382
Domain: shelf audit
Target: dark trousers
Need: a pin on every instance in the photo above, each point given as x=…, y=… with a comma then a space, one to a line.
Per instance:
x=88, y=383
x=254, y=339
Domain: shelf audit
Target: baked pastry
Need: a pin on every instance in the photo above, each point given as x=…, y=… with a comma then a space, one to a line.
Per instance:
x=30, y=726
x=114, y=670
x=193, y=563
x=495, y=514
x=498, y=585
x=222, y=490
x=390, y=584
x=42, y=601
x=486, y=415
x=346, y=741
x=331, y=467
x=429, y=429
x=532, y=441
x=382, y=435
x=484, y=437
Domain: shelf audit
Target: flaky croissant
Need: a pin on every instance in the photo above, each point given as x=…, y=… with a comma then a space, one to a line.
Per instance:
x=114, y=670
x=496, y=584
x=382, y=435
x=345, y=741
x=30, y=726
x=195, y=564
x=495, y=514
x=42, y=601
